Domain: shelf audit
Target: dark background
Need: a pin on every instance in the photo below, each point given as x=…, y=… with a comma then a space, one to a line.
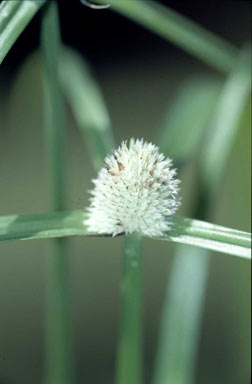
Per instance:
x=105, y=37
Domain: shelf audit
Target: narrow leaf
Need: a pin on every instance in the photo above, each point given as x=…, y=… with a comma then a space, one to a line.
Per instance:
x=210, y=236
x=7, y=10
x=187, y=117
x=87, y=105
x=42, y=226
x=14, y=17
x=186, y=231
x=225, y=123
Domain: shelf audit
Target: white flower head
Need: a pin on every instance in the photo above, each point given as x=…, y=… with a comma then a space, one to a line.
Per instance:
x=136, y=191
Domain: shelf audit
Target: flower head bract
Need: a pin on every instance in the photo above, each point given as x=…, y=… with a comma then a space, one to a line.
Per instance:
x=136, y=191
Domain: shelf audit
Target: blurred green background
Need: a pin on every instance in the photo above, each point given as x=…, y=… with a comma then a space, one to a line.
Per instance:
x=139, y=75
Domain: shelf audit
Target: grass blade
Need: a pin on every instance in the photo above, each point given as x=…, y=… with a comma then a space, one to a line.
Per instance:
x=59, y=357
x=225, y=122
x=210, y=236
x=14, y=17
x=196, y=98
x=186, y=231
x=7, y=10
x=129, y=358
x=179, y=30
x=42, y=226
x=87, y=105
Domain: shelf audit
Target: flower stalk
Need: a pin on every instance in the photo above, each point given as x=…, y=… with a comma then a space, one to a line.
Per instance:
x=129, y=358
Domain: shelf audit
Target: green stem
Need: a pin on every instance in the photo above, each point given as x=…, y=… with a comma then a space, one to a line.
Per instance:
x=129, y=359
x=178, y=29
x=59, y=358
x=54, y=109
x=14, y=18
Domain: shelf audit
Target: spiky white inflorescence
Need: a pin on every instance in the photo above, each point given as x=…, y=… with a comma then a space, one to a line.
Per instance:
x=136, y=191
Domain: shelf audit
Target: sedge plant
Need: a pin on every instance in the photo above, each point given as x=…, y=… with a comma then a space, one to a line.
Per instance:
x=221, y=109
